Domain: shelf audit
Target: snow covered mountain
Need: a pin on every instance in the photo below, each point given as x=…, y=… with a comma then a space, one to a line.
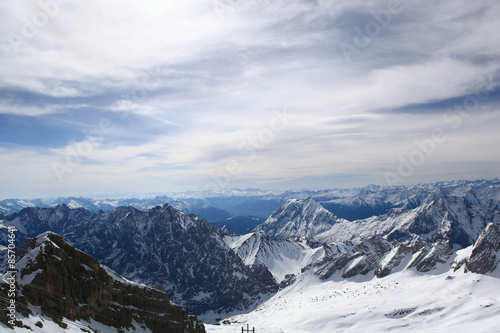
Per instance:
x=282, y=257
x=374, y=200
x=300, y=218
x=408, y=238
x=181, y=254
x=484, y=256
x=423, y=237
x=350, y=204
x=10, y=206
x=357, y=203
x=450, y=218
x=59, y=288
x=405, y=301
x=383, y=286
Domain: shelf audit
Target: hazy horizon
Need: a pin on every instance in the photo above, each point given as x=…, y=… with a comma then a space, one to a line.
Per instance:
x=201, y=194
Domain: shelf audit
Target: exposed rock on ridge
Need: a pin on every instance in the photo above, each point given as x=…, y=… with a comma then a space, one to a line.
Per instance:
x=67, y=283
x=485, y=254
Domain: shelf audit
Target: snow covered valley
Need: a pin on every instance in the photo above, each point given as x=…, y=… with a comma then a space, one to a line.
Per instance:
x=403, y=301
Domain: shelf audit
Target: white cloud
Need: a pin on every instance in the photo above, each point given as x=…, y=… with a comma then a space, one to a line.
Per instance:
x=199, y=78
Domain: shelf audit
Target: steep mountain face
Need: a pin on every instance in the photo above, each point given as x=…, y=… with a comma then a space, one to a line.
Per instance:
x=179, y=253
x=31, y=222
x=485, y=254
x=69, y=285
x=450, y=218
x=282, y=257
x=299, y=218
x=378, y=257
x=184, y=254
x=360, y=259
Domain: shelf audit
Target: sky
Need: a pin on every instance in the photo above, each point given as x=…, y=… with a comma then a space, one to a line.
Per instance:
x=168, y=96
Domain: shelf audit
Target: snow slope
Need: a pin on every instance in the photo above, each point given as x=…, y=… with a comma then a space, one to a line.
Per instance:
x=280, y=256
x=404, y=301
x=73, y=326
x=447, y=298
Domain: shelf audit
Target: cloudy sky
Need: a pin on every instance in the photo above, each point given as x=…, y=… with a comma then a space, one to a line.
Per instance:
x=156, y=96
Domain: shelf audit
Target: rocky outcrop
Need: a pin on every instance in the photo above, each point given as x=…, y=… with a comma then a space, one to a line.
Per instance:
x=429, y=256
x=380, y=257
x=485, y=254
x=67, y=283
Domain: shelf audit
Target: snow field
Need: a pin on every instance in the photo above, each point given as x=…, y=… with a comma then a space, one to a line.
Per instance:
x=404, y=301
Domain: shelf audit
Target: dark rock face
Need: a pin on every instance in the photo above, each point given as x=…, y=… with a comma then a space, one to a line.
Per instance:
x=381, y=257
x=485, y=255
x=39, y=220
x=371, y=251
x=360, y=260
x=429, y=256
x=179, y=253
x=385, y=267
x=66, y=282
x=184, y=254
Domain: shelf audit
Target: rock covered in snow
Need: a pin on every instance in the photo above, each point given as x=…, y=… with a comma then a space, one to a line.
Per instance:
x=485, y=254
x=282, y=257
x=67, y=284
x=299, y=218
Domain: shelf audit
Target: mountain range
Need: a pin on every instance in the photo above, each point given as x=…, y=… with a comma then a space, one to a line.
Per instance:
x=350, y=204
x=181, y=254
x=444, y=228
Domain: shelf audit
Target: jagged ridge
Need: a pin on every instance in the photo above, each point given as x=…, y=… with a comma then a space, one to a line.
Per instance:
x=67, y=283
x=179, y=253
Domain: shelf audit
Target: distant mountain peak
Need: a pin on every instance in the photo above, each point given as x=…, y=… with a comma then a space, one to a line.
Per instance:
x=298, y=218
